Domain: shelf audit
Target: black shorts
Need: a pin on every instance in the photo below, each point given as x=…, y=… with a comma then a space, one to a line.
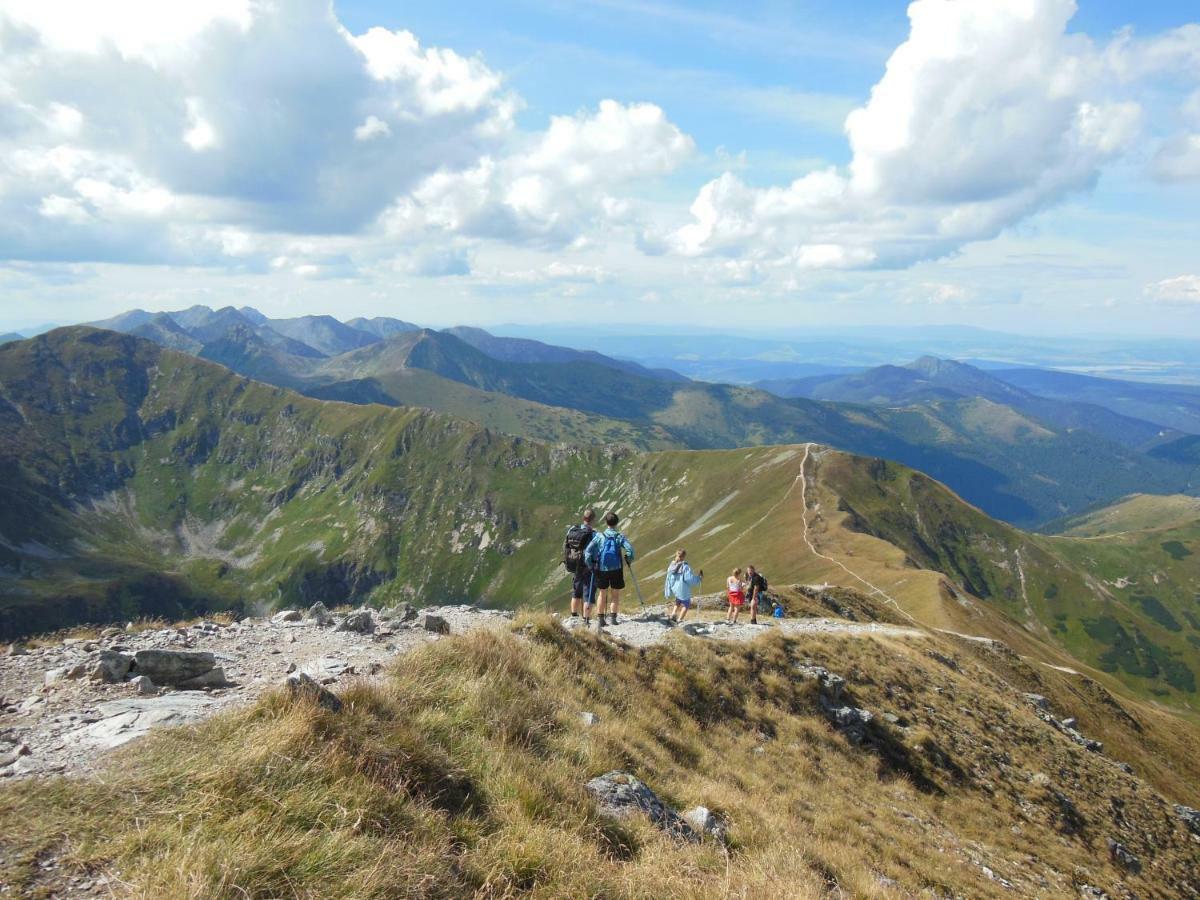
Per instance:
x=584, y=586
x=614, y=579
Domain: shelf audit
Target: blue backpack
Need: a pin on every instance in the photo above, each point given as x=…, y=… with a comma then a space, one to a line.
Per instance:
x=610, y=553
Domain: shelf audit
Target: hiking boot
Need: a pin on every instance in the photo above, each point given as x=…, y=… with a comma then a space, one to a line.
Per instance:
x=601, y=621
x=574, y=615
x=613, y=617
x=587, y=622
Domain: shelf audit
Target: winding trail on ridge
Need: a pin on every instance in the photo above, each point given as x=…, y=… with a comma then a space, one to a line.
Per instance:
x=803, y=479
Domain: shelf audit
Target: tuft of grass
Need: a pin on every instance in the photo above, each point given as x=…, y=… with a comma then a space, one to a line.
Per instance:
x=462, y=772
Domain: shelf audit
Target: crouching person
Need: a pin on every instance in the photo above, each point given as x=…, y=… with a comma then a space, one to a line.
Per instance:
x=678, y=587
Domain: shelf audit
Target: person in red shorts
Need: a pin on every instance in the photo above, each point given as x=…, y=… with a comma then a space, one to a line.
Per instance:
x=737, y=596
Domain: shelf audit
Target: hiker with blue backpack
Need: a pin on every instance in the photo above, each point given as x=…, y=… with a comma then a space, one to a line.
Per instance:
x=607, y=554
x=678, y=586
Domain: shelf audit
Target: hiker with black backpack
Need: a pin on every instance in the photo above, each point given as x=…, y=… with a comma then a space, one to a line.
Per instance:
x=756, y=591
x=607, y=554
x=583, y=587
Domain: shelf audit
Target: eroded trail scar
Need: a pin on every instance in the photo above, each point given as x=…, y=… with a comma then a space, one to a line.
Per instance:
x=803, y=479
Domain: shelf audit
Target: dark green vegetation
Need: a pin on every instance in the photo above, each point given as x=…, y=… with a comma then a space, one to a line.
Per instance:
x=461, y=773
x=140, y=481
x=1148, y=564
x=1026, y=462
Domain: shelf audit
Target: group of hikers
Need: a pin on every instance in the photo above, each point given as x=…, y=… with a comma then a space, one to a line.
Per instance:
x=597, y=561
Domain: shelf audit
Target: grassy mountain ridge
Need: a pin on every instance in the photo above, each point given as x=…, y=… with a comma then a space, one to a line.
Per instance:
x=134, y=472
x=1125, y=604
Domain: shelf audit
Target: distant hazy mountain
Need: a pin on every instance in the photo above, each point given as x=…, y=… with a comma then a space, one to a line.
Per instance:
x=382, y=326
x=9, y=337
x=164, y=330
x=323, y=333
x=931, y=380
x=126, y=321
x=242, y=348
x=253, y=315
x=1171, y=405
x=524, y=350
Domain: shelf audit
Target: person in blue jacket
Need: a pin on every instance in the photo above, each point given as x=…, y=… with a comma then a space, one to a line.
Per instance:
x=678, y=586
x=607, y=554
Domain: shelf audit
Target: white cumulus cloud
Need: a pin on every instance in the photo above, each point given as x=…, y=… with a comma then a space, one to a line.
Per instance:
x=556, y=185
x=987, y=113
x=265, y=116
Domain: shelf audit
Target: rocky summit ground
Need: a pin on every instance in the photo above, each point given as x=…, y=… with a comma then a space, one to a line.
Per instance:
x=53, y=723
x=59, y=714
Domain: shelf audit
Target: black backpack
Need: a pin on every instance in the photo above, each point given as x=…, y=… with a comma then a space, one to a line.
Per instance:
x=578, y=537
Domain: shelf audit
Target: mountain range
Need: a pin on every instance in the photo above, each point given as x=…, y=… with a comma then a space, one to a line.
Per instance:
x=141, y=480
x=1019, y=457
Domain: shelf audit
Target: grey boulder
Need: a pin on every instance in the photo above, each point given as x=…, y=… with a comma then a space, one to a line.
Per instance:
x=704, y=821
x=213, y=678
x=1123, y=857
x=319, y=614
x=401, y=614
x=108, y=666
x=327, y=669
x=288, y=615
x=436, y=624
x=621, y=795
x=851, y=722
x=360, y=622
x=172, y=666
x=1190, y=817
x=300, y=685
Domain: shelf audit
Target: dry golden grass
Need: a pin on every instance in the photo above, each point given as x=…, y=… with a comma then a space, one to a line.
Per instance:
x=461, y=774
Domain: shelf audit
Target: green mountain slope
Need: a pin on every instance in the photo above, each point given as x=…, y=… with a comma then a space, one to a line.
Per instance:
x=140, y=480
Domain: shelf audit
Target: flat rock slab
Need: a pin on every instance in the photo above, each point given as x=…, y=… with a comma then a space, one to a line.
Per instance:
x=172, y=666
x=122, y=721
x=326, y=669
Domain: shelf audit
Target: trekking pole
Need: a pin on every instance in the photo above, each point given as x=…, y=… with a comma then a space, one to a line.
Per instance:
x=636, y=587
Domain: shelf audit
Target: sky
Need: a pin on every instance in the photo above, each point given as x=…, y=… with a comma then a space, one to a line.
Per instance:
x=1028, y=166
